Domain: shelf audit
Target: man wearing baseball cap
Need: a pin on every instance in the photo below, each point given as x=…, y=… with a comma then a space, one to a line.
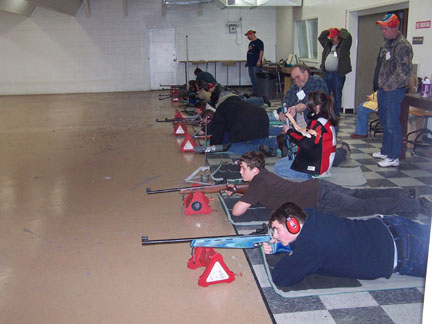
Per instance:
x=391, y=78
x=254, y=58
x=336, y=62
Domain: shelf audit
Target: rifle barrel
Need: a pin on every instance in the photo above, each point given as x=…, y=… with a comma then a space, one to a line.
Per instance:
x=146, y=241
x=149, y=191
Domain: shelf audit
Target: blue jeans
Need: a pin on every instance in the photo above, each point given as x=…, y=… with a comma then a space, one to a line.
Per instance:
x=258, y=101
x=362, y=123
x=283, y=169
x=413, y=239
x=389, y=103
x=335, y=85
x=253, y=145
x=252, y=75
x=275, y=131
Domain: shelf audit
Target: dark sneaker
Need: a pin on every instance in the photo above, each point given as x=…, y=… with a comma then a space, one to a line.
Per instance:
x=267, y=151
x=282, y=144
x=266, y=101
x=346, y=147
x=425, y=205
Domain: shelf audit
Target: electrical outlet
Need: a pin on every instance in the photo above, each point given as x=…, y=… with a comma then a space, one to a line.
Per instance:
x=232, y=29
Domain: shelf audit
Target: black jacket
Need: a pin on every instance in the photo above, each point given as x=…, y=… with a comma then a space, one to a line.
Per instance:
x=337, y=246
x=243, y=121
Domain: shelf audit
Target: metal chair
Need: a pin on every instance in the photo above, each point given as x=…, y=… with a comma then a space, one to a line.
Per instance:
x=375, y=128
x=421, y=133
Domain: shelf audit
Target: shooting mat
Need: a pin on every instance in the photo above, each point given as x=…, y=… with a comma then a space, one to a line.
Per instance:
x=255, y=215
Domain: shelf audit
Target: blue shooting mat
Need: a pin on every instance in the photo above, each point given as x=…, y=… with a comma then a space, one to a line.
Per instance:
x=255, y=215
x=316, y=284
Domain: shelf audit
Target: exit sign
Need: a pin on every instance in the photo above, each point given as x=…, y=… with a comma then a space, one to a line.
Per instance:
x=423, y=24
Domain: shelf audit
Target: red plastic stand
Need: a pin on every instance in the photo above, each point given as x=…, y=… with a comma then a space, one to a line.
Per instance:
x=178, y=115
x=174, y=93
x=180, y=130
x=197, y=204
x=216, y=270
x=188, y=144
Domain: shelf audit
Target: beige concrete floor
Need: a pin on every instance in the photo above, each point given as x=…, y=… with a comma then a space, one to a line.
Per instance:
x=73, y=208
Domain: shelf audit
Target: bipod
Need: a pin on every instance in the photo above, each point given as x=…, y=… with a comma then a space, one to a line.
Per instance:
x=204, y=177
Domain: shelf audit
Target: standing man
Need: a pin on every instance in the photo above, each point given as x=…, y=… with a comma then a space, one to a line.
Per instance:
x=391, y=78
x=336, y=62
x=254, y=58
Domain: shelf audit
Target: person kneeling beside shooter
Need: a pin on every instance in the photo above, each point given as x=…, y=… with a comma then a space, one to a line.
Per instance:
x=330, y=245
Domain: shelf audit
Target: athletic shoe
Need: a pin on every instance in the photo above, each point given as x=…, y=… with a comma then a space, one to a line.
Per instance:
x=379, y=155
x=388, y=163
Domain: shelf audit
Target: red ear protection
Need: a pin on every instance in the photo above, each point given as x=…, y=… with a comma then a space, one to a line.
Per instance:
x=292, y=223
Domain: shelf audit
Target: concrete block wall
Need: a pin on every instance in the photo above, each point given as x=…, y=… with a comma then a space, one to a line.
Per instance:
x=52, y=52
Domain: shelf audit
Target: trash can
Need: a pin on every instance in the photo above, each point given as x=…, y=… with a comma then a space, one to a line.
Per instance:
x=266, y=85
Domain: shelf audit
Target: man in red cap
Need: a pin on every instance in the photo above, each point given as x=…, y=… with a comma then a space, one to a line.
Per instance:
x=391, y=78
x=336, y=62
x=254, y=58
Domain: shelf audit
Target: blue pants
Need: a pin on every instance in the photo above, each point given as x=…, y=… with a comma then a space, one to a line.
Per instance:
x=389, y=103
x=335, y=85
x=283, y=169
x=413, y=245
x=362, y=123
x=258, y=101
x=252, y=75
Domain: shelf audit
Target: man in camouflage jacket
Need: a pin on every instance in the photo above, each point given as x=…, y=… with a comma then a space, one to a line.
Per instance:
x=391, y=78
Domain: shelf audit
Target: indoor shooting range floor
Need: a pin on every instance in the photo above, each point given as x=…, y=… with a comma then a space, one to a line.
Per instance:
x=73, y=207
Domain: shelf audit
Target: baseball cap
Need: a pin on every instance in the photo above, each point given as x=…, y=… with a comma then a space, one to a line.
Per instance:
x=250, y=32
x=389, y=20
x=333, y=32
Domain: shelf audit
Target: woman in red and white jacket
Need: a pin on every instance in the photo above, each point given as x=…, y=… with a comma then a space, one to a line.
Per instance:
x=316, y=144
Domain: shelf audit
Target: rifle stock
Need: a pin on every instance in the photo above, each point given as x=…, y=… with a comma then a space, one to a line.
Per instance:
x=238, y=188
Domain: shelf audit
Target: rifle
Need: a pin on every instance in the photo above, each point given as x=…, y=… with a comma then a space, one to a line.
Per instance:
x=240, y=188
x=248, y=241
x=190, y=121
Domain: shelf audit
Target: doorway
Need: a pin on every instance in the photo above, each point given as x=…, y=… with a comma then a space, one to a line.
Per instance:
x=162, y=58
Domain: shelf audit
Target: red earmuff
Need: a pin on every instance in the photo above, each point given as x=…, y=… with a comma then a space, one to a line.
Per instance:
x=293, y=225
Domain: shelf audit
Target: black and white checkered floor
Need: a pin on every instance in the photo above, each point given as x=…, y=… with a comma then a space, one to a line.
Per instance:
x=380, y=306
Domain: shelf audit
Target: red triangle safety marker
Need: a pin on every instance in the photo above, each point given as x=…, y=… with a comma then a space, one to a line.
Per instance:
x=180, y=130
x=188, y=144
x=178, y=115
x=216, y=270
